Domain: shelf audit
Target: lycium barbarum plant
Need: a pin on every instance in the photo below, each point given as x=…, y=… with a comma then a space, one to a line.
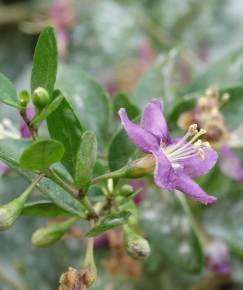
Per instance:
x=172, y=161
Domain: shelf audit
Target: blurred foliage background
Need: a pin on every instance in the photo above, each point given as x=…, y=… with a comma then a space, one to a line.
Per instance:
x=146, y=49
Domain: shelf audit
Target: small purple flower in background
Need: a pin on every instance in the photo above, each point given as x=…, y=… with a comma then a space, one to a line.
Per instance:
x=176, y=162
x=206, y=114
x=24, y=131
x=217, y=257
x=8, y=131
x=138, y=184
x=62, y=16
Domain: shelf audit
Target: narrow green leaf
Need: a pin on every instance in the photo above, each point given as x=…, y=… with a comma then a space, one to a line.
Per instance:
x=123, y=101
x=45, y=61
x=88, y=98
x=10, y=152
x=64, y=126
x=47, y=111
x=41, y=154
x=219, y=72
x=110, y=222
x=86, y=159
x=8, y=94
x=43, y=208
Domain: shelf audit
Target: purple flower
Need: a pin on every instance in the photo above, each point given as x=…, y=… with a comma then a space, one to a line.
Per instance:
x=217, y=257
x=176, y=161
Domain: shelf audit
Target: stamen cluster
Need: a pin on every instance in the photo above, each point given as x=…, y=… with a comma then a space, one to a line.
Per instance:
x=189, y=146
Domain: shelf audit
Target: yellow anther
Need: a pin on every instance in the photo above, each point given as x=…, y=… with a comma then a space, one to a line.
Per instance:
x=197, y=144
x=201, y=153
x=225, y=97
x=193, y=129
x=206, y=144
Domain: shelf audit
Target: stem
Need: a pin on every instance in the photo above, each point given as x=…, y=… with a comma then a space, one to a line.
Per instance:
x=32, y=129
x=7, y=281
x=32, y=185
x=72, y=191
x=89, y=257
x=114, y=174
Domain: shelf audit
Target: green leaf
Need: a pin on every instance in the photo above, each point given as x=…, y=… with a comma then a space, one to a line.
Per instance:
x=48, y=110
x=43, y=208
x=88, y=98
x=86, y=159
x=123, y=101
x=8, y=94
x=156, y=82
x=44, y=68
x=227, y=227
x=120, y=150
x=41, y=154
x=168, y=224
x=10, y=152
x=110, y=222
x=64, y=126
x=219, y=72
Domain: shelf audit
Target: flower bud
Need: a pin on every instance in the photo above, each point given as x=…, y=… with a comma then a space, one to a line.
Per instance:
x=10, y=211
x=48, y=235
x=40, y=98
x=140, y=167
x=136, y=246
x=126, y=190
x=24, y=98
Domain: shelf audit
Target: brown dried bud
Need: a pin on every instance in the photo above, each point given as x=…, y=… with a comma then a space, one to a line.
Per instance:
x=72, y=280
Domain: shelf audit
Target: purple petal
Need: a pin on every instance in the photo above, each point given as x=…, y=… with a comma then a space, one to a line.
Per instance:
x=164, y=174
x=139, y=136
x=185, y=184
x=195, y=166
x=153, y=120
x=230, y=164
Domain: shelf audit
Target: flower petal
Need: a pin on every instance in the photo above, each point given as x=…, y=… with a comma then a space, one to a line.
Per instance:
x=195, y=166
x=230, y=164
x=188, y=186
x=153, y=120
x=164, y=174
x=139, y=136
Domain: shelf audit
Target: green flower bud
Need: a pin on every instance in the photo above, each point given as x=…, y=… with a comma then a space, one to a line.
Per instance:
x=24, y=98
x=40, y=98
x=11, y=211
x=126, y=190
x=50, y=234
x=136, y=246
x=140, y=167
